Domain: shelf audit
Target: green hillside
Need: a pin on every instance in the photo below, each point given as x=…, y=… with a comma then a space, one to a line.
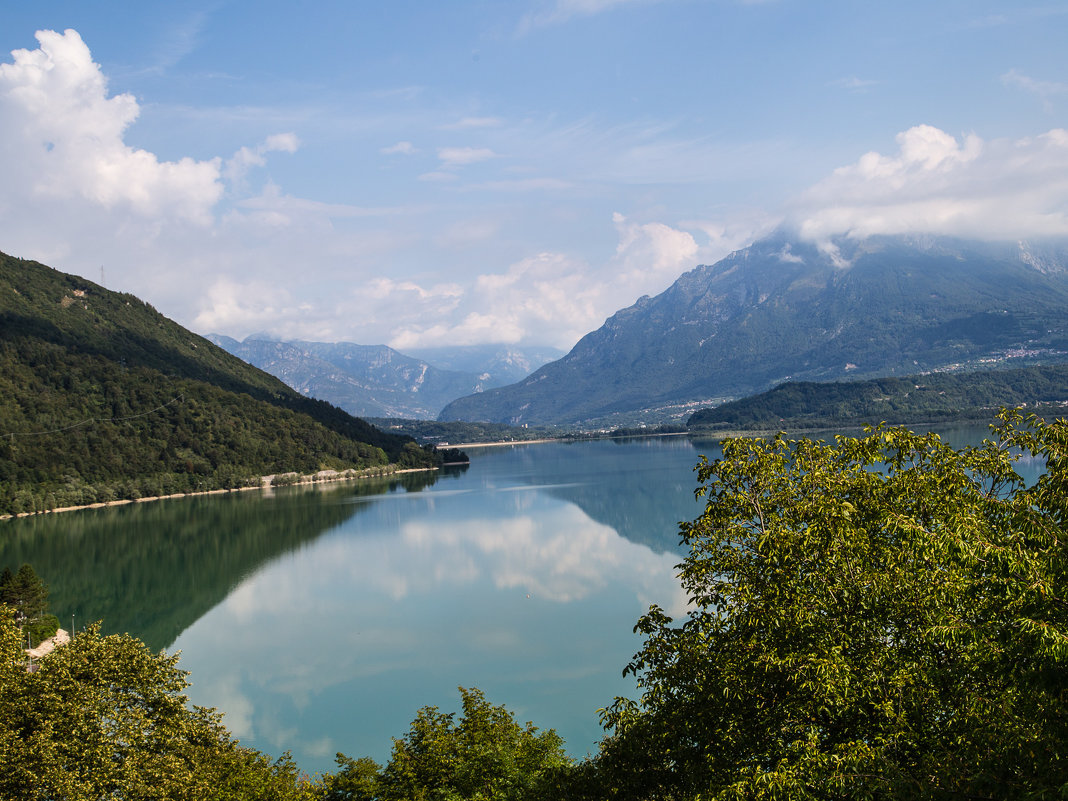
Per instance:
x=910, y=399
x=105, y=398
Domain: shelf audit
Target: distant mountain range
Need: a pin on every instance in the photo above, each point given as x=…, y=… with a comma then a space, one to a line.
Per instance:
x=785, y=309
x=377, y=381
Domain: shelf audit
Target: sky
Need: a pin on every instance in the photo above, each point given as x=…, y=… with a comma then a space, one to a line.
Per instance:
x=420, y=173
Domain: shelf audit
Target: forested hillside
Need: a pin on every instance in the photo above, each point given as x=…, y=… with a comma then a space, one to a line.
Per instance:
x=911, y=399
x=105, y=398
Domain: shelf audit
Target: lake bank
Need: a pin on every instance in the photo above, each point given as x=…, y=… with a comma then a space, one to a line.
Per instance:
x=267, y=483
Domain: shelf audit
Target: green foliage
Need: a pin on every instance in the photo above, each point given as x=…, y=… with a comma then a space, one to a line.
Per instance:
x=434, y=432
x=453, y=456
x=881, y=617
x=103, y=717
x=37, y=631
x=24, y=592
x=926, y=398
x=486, y=756
x=105, y=399
x=356, y=780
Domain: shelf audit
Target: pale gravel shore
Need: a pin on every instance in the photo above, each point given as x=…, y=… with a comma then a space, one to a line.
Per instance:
x=322, y=477
x=501, y=443
x=61, y=637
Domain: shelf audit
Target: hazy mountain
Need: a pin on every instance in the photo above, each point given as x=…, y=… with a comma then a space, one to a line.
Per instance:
x=377, y=381
x=499, y=364
x=783, y=309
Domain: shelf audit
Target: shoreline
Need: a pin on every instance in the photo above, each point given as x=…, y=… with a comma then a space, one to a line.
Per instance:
x=503, y=442
x=741, y=433
x=266, y=485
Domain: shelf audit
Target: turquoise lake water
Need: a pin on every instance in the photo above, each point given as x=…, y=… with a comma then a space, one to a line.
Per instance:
x=320, y=620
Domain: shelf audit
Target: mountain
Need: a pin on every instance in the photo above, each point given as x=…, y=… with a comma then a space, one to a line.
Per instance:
x=104, y=398
x=927, y=398
x=377, y=381
x=496, y=365
x=784, y=309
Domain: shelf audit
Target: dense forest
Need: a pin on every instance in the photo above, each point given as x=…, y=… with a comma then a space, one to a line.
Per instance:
x=935, y=397
x=105, y=399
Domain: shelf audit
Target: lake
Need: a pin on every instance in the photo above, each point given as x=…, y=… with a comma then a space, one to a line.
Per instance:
x=320, y=619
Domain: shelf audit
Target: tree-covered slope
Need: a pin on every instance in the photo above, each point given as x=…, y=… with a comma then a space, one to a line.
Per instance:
x=105, y=398
x=918, y=398
x=784, y=309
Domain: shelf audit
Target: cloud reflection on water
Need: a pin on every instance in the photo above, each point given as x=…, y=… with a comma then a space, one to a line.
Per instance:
x=513, y=590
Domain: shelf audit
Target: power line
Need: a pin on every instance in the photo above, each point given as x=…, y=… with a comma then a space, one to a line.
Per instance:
x=91, y=420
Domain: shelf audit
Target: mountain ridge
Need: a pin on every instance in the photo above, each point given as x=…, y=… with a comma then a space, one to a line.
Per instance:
x=377, y=380
x=784, y=308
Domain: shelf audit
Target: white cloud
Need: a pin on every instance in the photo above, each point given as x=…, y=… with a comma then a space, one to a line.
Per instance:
x=999, y=189
x=853, y=84
x=1044, y=90
x=437, y=176
x=548, y=295
x=561, y=11
x=556, y=298
x=401, y=148
x=247, y=157
x=63, y=139
x=654, y=246
x=462, y=156
x=249, y=305
x=468, y=123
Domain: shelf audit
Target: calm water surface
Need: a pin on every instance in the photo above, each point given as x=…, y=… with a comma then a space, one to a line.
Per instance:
x=321, y=620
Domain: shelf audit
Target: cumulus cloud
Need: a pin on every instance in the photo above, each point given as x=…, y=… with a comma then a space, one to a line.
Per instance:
x=63, y=139
x=549, y=293
x=556, y=298
x=936, y=183
x=249, y=305
x=653, y=246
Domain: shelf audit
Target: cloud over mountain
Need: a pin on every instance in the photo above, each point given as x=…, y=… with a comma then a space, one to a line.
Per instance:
x=936, y=183
x=468, y=183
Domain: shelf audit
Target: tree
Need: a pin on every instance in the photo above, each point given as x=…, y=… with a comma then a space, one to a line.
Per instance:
x=486, y=756
x=881, y=617
x=103, y=717
x=24, y=592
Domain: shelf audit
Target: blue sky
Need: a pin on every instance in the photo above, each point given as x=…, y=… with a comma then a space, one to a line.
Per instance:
x=422, y=173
